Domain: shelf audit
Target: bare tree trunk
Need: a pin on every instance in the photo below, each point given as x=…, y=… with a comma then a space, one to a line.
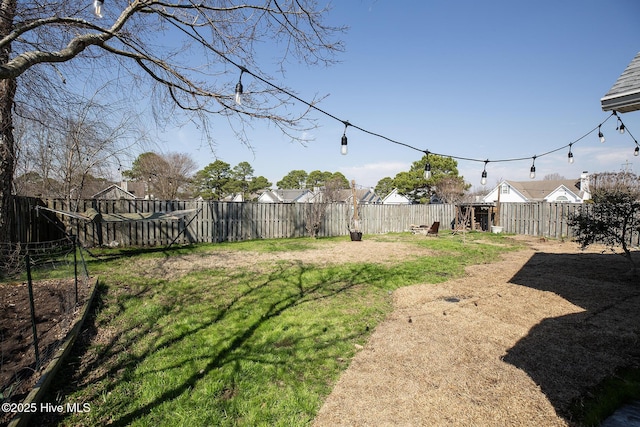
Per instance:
x=7, y=92
x=7, y=148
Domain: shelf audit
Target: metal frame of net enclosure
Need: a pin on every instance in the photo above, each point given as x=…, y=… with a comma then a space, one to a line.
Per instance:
x=42, y=289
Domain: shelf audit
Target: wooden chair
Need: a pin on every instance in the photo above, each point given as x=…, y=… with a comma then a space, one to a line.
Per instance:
x=426, y=230
x=433, y=230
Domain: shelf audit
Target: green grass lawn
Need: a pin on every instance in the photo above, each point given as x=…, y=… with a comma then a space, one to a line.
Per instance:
x=255, y=346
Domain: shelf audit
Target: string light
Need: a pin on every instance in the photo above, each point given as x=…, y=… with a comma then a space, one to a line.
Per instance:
x=532, y=173
x=600, y=134
x=343, y=143
x=483, y=179
x=620, y=125
x=427, y=167
x=316, y=108
x=621, y=128
x=97, y=7
x=570, y=155
x=239, y=89
x=636, y=151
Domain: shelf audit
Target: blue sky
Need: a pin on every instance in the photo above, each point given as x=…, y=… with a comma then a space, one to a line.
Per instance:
x=483, y=80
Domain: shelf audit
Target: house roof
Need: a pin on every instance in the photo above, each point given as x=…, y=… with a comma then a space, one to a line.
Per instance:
x=624, y=95
x=137, y=188
x=114, y=192
x=539, y=190
x=285, y=195
x=363, y=195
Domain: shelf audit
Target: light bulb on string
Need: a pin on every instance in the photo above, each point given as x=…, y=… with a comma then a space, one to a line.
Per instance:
x=343, y=142
x=570, y=155
x=483, y=179
x=427, y=168
x=620, y=126
x=239, y=89
x=600, y=134
x=532, y=173
x=97, y=7
x=637, y=150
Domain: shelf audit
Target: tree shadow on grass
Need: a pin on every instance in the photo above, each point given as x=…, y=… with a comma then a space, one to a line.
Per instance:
x=288, y=286
x=568, y=356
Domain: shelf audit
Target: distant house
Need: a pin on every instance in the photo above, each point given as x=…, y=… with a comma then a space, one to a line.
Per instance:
x=286, y=196
x=552, y=191
x=365, y=196
x=114, y=192
x=235, y=197
x=126, y=190
x=624, y=95
x=395, y=198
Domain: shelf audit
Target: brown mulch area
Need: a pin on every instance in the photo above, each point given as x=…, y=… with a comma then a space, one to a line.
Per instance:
x=511, y=343
x=55, y=313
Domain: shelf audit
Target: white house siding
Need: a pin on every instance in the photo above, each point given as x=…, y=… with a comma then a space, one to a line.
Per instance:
x=394, y=198
x=511, y=196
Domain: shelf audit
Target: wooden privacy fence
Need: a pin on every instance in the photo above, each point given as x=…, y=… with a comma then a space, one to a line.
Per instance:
x=546, y=219
x=31, y=225
x=538, y=219
x=211, y=221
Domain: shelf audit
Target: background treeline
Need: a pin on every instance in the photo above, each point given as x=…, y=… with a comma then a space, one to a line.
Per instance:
x=68, y=170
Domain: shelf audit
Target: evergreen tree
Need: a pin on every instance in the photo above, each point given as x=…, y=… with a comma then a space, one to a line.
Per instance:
x=443, y=182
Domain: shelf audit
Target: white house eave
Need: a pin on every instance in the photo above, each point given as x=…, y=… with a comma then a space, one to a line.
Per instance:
x=622, y=102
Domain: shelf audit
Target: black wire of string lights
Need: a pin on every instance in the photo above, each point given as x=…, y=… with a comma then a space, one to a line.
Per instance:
x=427, y=172
x=344, y=141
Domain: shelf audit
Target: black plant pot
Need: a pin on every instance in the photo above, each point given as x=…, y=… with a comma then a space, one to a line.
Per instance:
x=356, y=236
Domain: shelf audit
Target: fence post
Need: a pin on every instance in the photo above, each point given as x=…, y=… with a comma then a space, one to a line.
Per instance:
x=75, y=266
x=33, y=310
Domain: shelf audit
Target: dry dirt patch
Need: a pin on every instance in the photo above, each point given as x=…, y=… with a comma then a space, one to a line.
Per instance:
x=55, y=313
x=370, y=251
x=511, y=343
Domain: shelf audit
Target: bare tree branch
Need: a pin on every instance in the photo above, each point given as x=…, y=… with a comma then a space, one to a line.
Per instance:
x=172, y=59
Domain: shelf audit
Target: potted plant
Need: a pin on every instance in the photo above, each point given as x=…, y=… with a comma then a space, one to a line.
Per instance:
x=354, y=231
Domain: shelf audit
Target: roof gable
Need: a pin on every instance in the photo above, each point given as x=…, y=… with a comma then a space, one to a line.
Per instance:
x=113, y=192
x=395, y=198
x=514, y=190
x=561, y=193
x=285, y=196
